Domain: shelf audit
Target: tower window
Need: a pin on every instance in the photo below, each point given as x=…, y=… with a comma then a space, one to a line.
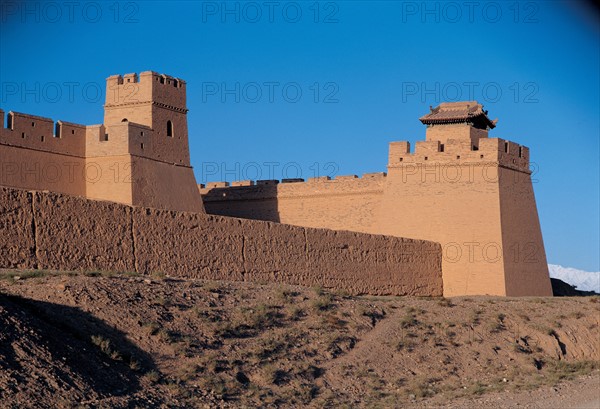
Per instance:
x=9, y=121
x=441, y=147
x=175, y=83
x=520, y=151
x=170, y=128
x=124, y=120
x=57, y=130
x=506, y=147
x=42, y=138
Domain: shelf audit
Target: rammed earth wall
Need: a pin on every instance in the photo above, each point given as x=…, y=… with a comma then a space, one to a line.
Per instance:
x=60, y=232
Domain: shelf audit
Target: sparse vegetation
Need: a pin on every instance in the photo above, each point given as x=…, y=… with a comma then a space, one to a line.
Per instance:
x=323, y=302
x=268, y=346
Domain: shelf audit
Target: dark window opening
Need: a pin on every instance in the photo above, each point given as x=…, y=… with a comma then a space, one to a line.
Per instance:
x=506, y=147
x=142, y=133
x=33, y=124
x=475, y=148
x=480, y=156
x=458, y=157
x=169, y=128
x=401, y=159
x=442, y=147
x=105, y=138
x=72, y=131
x=175, y=83
x=124, y=120
x=23, y=135
x=426, y=158
x=162, y=80
x=57, y=130
x=42, y=138
x=9, y=121
x=520, y=151
x=142, y=145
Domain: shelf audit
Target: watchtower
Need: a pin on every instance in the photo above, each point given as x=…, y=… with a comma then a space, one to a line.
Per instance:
x=474, y=195
x=154, y=100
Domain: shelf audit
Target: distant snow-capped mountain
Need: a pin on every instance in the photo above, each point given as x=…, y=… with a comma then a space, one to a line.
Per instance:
x=583, y=280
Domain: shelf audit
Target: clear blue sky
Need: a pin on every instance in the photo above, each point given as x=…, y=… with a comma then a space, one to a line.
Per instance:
x=378, y=66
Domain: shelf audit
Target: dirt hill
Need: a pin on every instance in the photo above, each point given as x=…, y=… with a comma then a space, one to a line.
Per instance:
x=98, y=340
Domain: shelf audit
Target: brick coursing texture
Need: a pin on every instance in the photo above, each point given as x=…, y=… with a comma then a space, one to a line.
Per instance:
x=73, y=233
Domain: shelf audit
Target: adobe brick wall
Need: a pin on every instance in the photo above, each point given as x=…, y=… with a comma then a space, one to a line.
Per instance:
x=60, y=232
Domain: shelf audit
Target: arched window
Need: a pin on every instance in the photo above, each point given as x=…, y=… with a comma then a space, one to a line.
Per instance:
x=170, y=128
x=124, y=120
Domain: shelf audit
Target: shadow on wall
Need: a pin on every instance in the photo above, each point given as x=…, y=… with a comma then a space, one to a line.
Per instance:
x=264, y=206
x=57, y=343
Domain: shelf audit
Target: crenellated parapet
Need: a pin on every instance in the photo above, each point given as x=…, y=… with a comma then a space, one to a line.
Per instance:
x=461, y=151
x=290, y=188
x=148, y=87
x=43, y=134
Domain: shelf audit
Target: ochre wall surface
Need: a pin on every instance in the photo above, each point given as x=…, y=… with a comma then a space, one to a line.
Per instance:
x=345, y=203
x=57, y=232
x=472, y=195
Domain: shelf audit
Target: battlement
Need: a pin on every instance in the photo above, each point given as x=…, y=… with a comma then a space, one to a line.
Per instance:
x=460, y=151
x=263, y=189
x=43, y=134
x=85, y=141
x=148, y=87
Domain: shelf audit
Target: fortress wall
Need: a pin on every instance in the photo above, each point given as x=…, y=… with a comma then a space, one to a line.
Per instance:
x=109, y=178
x=73, y=233
x=108, y=140
x=462, y=214
x=525, y=263
x=25, y=168
x=62, y=232
x=38, y=133
x=164, y=186
x=345, y=203
x=17, y=241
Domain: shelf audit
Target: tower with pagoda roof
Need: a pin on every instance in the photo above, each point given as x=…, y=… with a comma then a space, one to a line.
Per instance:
x=474, y=195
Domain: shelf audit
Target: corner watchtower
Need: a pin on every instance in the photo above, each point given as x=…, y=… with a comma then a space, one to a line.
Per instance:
x=472, y=194
x=155, y=100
